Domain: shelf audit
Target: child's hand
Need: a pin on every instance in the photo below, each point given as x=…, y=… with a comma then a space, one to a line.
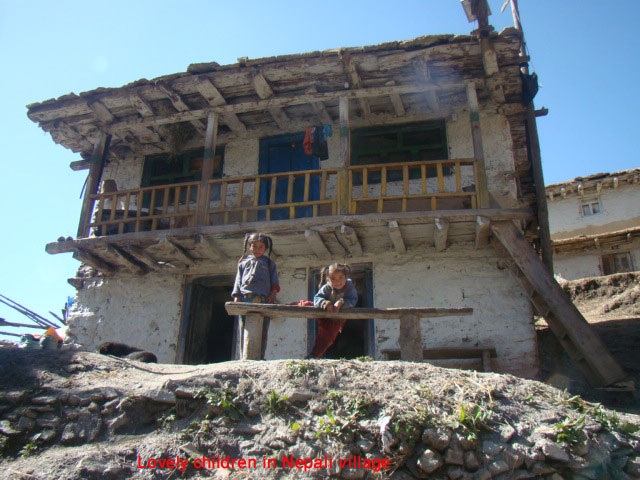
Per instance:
x=236, y=299
x=338, y=305
x=326, y=305
x=271, y=297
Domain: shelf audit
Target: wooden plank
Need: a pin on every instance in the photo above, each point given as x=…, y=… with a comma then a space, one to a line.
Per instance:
x=410, y=338
x=98, y=158
x=444, y=353
x=178, y=103
x=94, y=261
x=316, y=243
x=478, y=151
x=483, y=225
x=396, y=237
x=398, y=106
x=179, y=251
x=354, y=80
x=143, y=257
x=281, y=101
x=349, y=240
x=319, y=108
x=102, y=113
x=440, y=233
x=213, y=96
x=295, y=311
x=130, y=261
x=603, y=367
x=264, y=91
x=140, y=104
x=209, y=249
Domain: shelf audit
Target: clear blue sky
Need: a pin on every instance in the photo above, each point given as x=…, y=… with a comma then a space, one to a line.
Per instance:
x=584, y=53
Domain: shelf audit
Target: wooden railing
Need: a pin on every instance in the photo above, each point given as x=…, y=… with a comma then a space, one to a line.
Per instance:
x=392, y=187
x=276, y=196
x=144, y=209
x=428, y=185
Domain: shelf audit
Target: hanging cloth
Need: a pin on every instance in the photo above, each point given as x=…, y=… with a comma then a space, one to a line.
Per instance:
x=307, y=143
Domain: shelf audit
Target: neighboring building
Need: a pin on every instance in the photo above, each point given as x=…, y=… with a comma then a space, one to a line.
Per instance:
x=427, y=157
x=595, y=224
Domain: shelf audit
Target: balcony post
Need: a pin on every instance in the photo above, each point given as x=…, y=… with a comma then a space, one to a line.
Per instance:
x=478, y=152
x=345, y=157
x=98, y=157
x=210, y=139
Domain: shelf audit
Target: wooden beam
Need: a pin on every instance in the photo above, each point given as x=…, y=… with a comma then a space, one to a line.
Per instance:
x=396, y=237
x=317, y=244
x=354, y=80
x=252, y=337
x=349, y=240
x=319, y=107
x=478, y=151
x=410, y=338
x=396, y=101
x=483, y=225
x=102, y=113
x=345, y=155
x=143, y=257
x=264, y=91
x=208, y=247
x=212, y=95
x=179, y=251
x=98, y=158
x=295, y=311
x=281, y=101
x=179, y=104
x=421, y=68
x=440, y=233
x=94, y=261
x=210, y=140
x=140, y=104
x=129, y=260
x=316, y=223
x=565, y=320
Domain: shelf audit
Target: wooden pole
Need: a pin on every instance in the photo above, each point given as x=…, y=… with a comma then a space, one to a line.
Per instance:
x=478, y=150
x=210, y=140
x=98, y=158
x=410, y=338
x=535, y=158
x=252, y=337
x=345, y=155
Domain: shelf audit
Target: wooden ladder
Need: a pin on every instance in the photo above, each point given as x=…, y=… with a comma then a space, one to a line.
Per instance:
x=565, y=320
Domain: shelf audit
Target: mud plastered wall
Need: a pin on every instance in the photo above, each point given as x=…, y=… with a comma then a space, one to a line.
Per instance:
x=572, y=267
x=619, y=209
x=143, y=314
x=459, y=277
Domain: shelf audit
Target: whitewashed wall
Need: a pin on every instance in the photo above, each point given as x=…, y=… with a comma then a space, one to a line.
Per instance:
x=620, y=210
x=587, y=264
x=140, y=311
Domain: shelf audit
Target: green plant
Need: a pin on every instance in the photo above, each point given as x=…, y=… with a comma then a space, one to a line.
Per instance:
x=474, y=417
x=300, y=368
x=222, y=401
x=276, y=403
x=29, y=449
x=167, y=418
x=335, y=427
x=364, y=358
x=570, y=431
x=409, y=424
x=357, y=405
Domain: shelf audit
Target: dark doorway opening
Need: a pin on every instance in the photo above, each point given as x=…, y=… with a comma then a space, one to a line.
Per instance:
x=210, y=331
x=357, y=336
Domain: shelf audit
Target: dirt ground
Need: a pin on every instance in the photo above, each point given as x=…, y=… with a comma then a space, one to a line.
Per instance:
x=611, y=304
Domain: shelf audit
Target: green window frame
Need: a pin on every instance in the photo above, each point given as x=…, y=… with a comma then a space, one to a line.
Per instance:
x=406, y=143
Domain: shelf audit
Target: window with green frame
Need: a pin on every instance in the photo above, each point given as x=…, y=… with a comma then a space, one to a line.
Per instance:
x=167, y=169
x=413, y=142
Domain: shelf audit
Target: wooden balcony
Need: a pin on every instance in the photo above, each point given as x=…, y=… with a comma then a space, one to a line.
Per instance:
x=329, y=213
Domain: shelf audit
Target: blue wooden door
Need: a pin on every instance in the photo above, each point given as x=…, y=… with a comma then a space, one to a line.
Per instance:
x=284, y=153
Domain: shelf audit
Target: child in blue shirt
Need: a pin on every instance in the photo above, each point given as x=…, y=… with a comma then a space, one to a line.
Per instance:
x=336, y=291
x=257, y=277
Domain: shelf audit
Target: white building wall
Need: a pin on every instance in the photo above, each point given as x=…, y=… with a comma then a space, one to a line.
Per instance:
x=139, y=311
x=620, y=210
x=588, y=264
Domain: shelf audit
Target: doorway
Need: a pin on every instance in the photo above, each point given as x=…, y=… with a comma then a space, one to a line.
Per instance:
x=357, y=338
x=284, y=153
x=210, y=333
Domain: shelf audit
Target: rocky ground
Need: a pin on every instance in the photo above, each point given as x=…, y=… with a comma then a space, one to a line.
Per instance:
x=80, y=415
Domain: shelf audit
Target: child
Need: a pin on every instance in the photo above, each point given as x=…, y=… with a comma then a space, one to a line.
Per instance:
x=338, y=290
x=257, y=278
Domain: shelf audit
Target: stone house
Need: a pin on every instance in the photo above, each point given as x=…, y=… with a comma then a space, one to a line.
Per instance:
x=595, y=224
x=427, y=160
